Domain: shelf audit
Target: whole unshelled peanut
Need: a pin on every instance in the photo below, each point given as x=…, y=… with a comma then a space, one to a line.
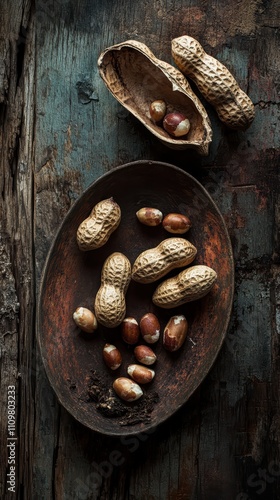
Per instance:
x=155, y=263
x=85, y=319
x=190, y=284
x=150, y=328
x=112, y=356
x=110, y=306
x=140, y=374
x=127, y=389
x=175, y=333
x=214, y=81
x=95, y=231
x=130, y=330
x=149, y=216
x=176, y=223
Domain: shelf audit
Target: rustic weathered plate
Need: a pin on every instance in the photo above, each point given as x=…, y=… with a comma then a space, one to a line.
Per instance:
x=73, y=360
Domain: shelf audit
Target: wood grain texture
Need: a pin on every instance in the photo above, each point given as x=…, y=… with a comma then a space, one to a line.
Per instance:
x=60, y=130
x=16, y=236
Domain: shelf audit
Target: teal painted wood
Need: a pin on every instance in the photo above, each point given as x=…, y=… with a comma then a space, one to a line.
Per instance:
x=224, y=443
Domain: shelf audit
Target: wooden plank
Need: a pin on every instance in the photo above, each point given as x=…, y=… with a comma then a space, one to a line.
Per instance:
x=16, y=209
x=224, y=443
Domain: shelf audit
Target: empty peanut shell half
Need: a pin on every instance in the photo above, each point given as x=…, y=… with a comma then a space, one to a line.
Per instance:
x=136, y=78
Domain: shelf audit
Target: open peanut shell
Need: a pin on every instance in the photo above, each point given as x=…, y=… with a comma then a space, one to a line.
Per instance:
x=136, y=78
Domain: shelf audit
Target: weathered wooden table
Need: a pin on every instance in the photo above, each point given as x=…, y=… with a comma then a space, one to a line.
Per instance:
x=61, y=130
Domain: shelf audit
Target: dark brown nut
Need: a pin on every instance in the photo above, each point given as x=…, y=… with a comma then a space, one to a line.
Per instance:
x=140, y=374
x=150, y=328
x=112, y=356
x=130, y=330
x=127, y=389
x=175, y=333
x=85, y=319
x=149, y=216
x=145, y=355
x=176, y=223
x=157, y=110
x=176, y=124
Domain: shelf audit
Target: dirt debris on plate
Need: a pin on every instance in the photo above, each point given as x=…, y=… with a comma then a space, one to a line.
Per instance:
x=110, y=406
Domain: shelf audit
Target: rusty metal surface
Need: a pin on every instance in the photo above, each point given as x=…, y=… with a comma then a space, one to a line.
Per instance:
x=71, y=278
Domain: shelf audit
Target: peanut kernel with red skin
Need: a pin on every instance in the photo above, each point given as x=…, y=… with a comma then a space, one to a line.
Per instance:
x=127, y=389
x=176, y=124
x=85, y=319
x=150, y=328
x=112, y=356
x=130, y=330
x=157, y=110
x=149, y=216
x=145, y=355
x=175, y=333
x=176, y=223
x=140, y=374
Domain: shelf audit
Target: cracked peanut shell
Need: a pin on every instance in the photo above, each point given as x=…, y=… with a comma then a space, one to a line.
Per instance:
x=136, y=78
